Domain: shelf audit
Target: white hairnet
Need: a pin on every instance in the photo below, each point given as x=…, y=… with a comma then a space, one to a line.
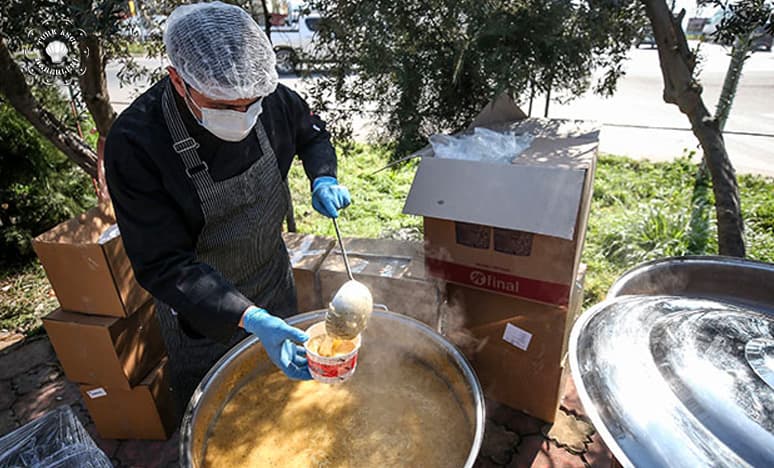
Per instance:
x=220, y=51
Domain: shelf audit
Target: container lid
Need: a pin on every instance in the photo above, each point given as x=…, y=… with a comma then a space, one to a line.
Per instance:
x=678, y=381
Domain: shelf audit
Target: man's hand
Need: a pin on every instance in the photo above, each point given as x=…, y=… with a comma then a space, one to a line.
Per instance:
x=328, y=197
x=277, y=338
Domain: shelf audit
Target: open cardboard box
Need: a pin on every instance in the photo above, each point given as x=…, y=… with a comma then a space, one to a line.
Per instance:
x=89, y=275
x=394, y=272
x=307, y=253
x=110, y=351
x=145, y=412
x=513, y=228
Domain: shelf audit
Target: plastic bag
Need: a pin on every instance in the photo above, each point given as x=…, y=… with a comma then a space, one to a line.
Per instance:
x=55, y=440
x=109, y=234
x=481, y=145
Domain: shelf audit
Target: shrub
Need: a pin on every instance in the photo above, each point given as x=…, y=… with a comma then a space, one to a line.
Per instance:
x=39, y=186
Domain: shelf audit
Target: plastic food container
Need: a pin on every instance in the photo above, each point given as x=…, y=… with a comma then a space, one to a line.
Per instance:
x=330, y=369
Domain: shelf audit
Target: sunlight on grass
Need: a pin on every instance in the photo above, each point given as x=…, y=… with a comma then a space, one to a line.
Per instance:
x=641, y=211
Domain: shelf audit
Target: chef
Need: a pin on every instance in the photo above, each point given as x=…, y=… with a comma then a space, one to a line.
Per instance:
x=197, y=169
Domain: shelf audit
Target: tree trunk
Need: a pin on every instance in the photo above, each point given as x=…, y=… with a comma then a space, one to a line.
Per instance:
x=739, y=54
x=94, y=88
x=680, y=88
x=14, y=87
x=548, y=98
x=267, y=18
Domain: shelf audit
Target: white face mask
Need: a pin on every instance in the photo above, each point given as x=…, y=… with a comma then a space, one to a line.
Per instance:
x=227, y=124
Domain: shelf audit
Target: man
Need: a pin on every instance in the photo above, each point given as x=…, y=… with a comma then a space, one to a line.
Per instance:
x=196, y=169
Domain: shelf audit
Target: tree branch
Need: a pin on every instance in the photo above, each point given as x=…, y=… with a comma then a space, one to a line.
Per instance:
x=93, y=86
x=14, y=87
x=680, y=88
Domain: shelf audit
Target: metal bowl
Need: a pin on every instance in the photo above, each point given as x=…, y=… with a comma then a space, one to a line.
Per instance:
x=722, y=278
x=406, y=336
x=675, y=368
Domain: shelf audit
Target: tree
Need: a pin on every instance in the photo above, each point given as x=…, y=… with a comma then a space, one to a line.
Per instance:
x=105, y=36
x=428, y=67
x=102, y=36
x=741, y=24
x=681, y=88
x=14, y=87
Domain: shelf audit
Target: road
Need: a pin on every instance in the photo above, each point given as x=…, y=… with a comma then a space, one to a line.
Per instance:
x=636, y=121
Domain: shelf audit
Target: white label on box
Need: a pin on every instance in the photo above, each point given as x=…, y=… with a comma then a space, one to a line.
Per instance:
x=96, y=393
x=517, y=337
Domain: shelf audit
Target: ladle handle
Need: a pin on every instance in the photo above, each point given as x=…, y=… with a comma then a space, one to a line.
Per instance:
x=343, y=252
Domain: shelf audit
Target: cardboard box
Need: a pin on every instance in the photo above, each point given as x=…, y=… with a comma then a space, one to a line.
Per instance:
x=117, y=353
x=516, y=229
x=89, y=274
x=517, y=347
x=144, y=412
x=394, y=272
x=307, y=253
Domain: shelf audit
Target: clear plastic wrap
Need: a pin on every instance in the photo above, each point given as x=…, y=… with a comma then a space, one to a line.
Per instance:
x=56, y=440
x=109, y=234
x=481, y=145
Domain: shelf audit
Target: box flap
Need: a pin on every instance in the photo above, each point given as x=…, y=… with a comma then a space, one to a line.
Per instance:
x=83, y=229
x=501, y=195
x=306, y=251
x=500, y=110
x=63, y=316
x=388, y=258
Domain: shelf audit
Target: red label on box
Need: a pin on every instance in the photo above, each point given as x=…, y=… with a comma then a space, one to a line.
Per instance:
x=511, y=285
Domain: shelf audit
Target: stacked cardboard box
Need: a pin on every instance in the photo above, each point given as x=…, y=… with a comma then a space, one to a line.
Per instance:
x=307, y=253
x=394, y=272
x=517, y=347
x=106, y=334
x=509, y=236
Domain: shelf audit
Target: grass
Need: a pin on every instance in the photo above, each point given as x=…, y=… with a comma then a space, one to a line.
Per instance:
x=137, y=49
x=377, y=198
x=641, y=211
x=25, y=296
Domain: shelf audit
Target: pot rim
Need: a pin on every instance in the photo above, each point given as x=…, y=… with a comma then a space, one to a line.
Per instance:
x=186, y=428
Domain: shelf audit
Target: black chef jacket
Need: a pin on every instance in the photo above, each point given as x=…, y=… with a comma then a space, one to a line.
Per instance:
x=158, y=210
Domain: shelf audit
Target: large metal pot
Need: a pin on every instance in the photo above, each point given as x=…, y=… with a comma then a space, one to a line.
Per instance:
x=407, y=336
x=676, y=366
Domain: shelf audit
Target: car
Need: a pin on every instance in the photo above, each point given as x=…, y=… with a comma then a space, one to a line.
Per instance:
x=295, y=42
x=712, y=25
x=647, y=38
x=141, y=28
x=761, y=40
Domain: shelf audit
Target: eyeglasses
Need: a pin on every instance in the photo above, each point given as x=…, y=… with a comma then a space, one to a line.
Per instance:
x=242, y=108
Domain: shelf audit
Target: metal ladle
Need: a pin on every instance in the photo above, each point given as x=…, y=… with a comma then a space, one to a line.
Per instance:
x=343, y=251
x=351, y=306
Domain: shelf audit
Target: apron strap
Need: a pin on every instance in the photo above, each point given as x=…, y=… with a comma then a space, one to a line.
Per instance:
x=263, y=139
x=185, y=146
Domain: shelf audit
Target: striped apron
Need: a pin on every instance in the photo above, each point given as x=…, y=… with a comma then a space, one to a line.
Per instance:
x=241, y=239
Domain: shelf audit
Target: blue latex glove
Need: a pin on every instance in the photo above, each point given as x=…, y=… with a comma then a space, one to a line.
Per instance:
x=277, y=338
x=328, y=197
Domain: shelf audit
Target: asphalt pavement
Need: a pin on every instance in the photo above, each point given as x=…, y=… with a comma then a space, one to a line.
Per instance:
x=636, y=121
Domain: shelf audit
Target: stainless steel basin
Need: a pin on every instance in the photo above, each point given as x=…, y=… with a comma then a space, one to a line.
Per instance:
x=405, y=336
x=675, y=367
